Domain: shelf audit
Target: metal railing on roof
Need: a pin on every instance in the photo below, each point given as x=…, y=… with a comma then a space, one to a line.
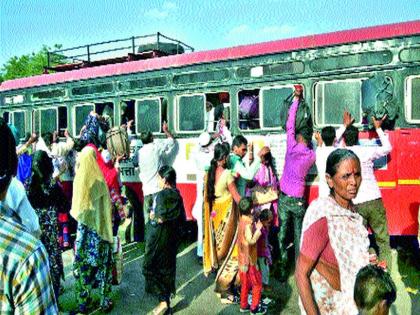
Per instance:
x=100, y=52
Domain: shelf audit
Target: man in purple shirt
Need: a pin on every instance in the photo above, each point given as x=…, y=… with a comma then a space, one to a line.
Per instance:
x=298, y=161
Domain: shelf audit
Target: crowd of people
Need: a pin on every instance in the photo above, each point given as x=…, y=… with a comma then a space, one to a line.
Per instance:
x=247, y=219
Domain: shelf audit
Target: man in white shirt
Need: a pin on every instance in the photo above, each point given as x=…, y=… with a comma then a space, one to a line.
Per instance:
x=151, y=157
x=369, y=200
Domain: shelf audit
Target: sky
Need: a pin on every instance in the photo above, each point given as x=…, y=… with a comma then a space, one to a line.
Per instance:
x=27, y=25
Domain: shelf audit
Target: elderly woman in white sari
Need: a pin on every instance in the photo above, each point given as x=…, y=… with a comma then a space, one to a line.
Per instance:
x=334, y=242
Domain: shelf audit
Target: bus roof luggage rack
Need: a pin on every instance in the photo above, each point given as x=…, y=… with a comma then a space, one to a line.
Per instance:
x=114, y=51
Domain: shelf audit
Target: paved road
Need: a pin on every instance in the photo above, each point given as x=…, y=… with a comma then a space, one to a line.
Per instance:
x=194, y=291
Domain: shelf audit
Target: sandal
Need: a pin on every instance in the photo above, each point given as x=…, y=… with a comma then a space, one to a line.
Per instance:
x=159, y=310
x=230, y=299
x=108, y=307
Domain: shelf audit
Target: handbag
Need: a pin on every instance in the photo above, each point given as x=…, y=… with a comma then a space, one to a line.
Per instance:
x=262, y=195
x=117, y=268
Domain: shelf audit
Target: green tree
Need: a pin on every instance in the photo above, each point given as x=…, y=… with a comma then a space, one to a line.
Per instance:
x=30, y=64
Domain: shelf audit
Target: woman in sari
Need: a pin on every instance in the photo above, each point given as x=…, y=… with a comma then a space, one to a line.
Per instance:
x=92, y=209
x=163, y=230
x=47, y=198
x=110, y=173
x=335, y=242
x=221, y=219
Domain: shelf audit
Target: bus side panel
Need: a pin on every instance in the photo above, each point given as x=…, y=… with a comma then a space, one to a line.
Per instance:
x=407, y=146
x=188, y=192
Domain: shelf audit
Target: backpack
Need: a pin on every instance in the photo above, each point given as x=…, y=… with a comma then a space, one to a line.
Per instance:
x=303, y=115
x=378, y=98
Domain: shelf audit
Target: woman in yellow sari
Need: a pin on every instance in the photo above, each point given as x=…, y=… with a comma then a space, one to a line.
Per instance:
x=92, y=209
x=221, y=218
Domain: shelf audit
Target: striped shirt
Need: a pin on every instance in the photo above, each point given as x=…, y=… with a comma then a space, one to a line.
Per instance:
x=25, y=281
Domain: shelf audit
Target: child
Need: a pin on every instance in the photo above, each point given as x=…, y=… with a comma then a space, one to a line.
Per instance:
x=250, y=276
x=374, y=290
x=263, y=248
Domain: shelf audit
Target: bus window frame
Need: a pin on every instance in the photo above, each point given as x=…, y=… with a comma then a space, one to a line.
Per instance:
x=12, y=121
x=357, y=123
x=177, y=99
x=160, y=112
x=73, y=125
x=408, y=106
x=55, y=107
x=261, y=109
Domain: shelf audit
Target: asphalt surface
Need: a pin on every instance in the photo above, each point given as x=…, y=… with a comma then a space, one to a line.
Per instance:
x=195, y=293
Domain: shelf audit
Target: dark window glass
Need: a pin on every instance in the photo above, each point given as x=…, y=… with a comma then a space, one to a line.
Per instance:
x=191, y=113
x=283, y=68
x=143, y=83
x=148, y=115
x=62, y=120
x=415, y=98
x=81, y=113
x=350, y=61
x=271, y=102
x=48, y=120
x=19, y=123
x=48, y=94
x=333, y=98
x=205, y=76
x=410, y=54
x=106, y=110
x=6, y=116
x=92, y=89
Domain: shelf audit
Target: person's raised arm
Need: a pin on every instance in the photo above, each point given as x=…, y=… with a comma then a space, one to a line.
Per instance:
x=290, y=124
x=166, y=131
x=22, y=149
x=348, y=120
x=166, y=146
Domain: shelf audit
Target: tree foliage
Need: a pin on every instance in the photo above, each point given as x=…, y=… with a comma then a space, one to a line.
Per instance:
x=30, y=64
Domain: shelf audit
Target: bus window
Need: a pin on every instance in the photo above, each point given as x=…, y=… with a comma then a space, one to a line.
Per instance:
x=48, y=120
x=248, y=110
x=18, y=120
x=106, y=110
x=149, y=115
x=271, y=101
x=217, y=107
x=332, y=98
x=6, y=116
x=127, y=111
x=62, y=120
x=191, y=112
x=413, y=99
x=81, y=112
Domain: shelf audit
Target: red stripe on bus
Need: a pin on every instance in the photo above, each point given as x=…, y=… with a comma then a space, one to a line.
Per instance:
x=305, y=42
